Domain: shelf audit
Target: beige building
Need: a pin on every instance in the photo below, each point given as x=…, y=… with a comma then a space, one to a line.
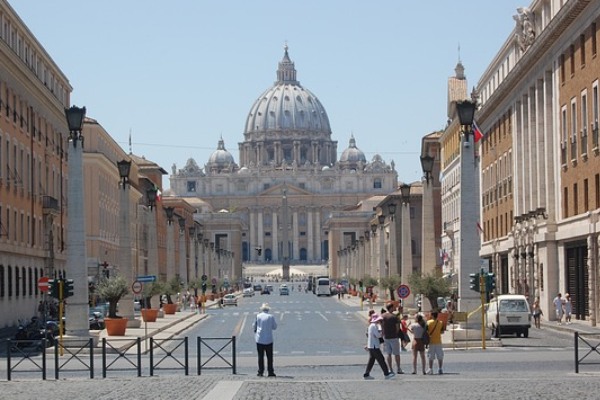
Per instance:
x=540, y=161
x=33, y=168
x=273, y=204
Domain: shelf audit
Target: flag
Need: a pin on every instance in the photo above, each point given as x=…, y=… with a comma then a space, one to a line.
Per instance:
x=480, y=230
x=158, y=193
x=477, y=134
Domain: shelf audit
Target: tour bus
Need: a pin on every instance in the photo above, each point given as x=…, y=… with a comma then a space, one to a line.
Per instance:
x=322, y=287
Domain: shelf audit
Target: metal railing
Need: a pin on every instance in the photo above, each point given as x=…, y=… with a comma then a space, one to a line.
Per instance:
x=589, y=344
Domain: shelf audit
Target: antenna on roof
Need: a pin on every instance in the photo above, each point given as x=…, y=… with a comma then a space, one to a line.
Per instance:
x=130, y=151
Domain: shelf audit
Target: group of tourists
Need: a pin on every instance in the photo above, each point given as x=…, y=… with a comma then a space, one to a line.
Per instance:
x=563, y=307
x=391, y=329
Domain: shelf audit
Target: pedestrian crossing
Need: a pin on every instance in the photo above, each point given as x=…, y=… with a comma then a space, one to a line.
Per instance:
x=298, y=313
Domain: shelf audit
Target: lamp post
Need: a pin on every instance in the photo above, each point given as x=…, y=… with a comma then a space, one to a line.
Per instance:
x=126, y=305
x=76, y=252
x=407, y=267
x=152, y=239
x=381, y=269
x=469, y=240
x=170, y=211
x=372, y=261
x=392, y=264
x=183, y=271
x=428, y=259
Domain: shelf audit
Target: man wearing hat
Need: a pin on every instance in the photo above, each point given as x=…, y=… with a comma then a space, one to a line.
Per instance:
x=263, y=326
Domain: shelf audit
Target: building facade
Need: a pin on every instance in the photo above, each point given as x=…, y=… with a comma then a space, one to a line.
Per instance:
x=287, y=182
x=34, y=93
x=540, y=188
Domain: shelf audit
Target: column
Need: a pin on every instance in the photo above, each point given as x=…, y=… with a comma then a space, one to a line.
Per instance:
x=275, y=237
x=428, y=258
x=318, y=251
x=296, y=243
x=126, y=308
x=183, y=271
x=76, y=252
x=407, y=267
x=253, y=243
x=261, y=233
x=170, y=250
x=309, y=228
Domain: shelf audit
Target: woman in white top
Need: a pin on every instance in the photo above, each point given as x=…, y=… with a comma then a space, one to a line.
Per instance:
x=373, y=347
x=417, y=328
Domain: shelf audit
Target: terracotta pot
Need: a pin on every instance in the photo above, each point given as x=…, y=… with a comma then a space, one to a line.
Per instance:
x=115, y=326
x=169, y=308
x=149, y=314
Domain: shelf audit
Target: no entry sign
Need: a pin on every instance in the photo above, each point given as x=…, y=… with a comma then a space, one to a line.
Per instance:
x=43, y=283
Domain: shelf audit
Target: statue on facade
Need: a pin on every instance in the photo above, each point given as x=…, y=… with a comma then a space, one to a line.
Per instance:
x=525, y=27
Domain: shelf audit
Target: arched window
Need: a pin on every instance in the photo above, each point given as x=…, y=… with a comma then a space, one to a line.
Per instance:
x=303, y=254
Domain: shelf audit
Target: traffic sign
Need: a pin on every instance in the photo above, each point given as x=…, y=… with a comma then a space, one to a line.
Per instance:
x=137, y=287
x=147, y=278
x=403, y=291
x=214, y=281
x=43, y=283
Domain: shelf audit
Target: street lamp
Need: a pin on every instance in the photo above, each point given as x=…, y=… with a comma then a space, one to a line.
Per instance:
x=126, y=305
x=469, y=240
x=169, y=211
x=75, y=116
x=76, y=247
x=151, y=195
x=406, y=268
x=427, y=166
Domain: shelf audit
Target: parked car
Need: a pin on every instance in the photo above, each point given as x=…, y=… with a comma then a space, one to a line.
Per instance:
x=258, y=288
x=230, y=300
x=284, y=290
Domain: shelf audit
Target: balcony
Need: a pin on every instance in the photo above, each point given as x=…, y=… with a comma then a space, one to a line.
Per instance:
x=50, y=205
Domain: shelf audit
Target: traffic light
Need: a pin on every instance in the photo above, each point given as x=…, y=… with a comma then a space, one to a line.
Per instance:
x=474, y=282
x=490, y=282
x=53, y=288
x=203, y=287
x=68, y=288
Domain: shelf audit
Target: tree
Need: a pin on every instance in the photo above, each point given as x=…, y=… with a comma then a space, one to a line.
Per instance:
x=431, y=286
x=391, y=283
x=150, y=290
x=112, y=290
x=173, y=286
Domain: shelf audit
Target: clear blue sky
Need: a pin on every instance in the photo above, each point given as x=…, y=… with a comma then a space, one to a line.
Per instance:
x=179, y=74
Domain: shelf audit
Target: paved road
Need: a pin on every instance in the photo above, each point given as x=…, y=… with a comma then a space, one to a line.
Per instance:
x=539, y=367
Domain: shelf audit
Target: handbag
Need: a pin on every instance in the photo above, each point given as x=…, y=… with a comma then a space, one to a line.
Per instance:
x=426, y=336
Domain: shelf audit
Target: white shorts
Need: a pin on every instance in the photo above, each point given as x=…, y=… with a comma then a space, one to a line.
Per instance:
x=435, y=351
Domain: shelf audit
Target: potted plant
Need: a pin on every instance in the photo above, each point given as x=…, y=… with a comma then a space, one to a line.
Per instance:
x=150, y=314
x=112, y=290
x=170, y=288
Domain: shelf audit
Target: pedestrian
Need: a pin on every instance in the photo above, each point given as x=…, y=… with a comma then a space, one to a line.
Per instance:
x=558, y=306
x=417, y=328
x=568, y=308
x=536, y=310
x=373, y=342
x=263, y=327
x=435, y=329
x=390, y=327
x=404, y=338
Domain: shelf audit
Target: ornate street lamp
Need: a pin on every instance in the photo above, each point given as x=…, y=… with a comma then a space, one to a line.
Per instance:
x=405, y=193
x=466, y=113
x=124, y=167
x=427, y=166
x=169, y=211
x=75, y=116
x=151, y=195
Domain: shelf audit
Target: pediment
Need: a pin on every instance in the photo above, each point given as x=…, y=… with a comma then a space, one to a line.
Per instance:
x=292, y=190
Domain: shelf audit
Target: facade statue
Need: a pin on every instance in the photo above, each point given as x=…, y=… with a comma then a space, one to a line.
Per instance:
x=525, y=29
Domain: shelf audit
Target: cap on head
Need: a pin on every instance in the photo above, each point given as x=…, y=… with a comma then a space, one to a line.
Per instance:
x=265, y=307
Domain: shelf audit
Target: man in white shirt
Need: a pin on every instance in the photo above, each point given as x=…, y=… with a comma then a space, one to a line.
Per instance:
x=263, y=326
x=558, y=305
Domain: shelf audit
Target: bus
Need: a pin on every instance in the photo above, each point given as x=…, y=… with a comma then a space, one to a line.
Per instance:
x=322, y=287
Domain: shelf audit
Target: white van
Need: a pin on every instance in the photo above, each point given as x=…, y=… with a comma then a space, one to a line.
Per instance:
x=509, y=313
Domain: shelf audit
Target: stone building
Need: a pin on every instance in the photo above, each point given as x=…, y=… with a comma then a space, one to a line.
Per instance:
x=540, y=181
x=272, y=205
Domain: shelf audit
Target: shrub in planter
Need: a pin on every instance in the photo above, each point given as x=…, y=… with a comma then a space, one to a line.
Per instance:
x=112, y=290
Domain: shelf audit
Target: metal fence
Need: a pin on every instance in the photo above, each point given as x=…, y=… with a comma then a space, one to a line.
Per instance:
x=77, y=358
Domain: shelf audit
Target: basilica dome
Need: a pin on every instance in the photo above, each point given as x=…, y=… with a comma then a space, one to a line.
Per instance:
x=287, y=106
x=220, y=158
x=352, y=154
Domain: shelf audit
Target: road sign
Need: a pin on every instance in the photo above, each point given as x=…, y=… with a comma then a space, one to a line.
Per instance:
x=43, y=283
x=137, y=287
x=147, y=278
x=214, y=281
x=403, y=291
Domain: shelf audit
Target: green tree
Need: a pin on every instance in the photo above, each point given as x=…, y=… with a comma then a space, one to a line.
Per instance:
x=112, y=290
x=173, y=286
x=431, y=286
x=151, y=289
x=391, y=283
x=369, y=281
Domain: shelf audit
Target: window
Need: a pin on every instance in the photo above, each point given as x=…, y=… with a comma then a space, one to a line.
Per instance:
x=377, y=183
x=191, y=186
x=563, y=144
x=302, y=185
x=594, y=40
x=597, y=184
x=582, y=49
x=562, y=68
x=2, y=281
x=573, y=130
x=584, y=123
x=575, y=199
x=572, y=59
x=566, y=202
x=595, y=108
x=586, y=202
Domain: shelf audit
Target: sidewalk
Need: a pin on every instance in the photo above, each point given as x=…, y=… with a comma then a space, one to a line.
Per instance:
x=583, y=327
